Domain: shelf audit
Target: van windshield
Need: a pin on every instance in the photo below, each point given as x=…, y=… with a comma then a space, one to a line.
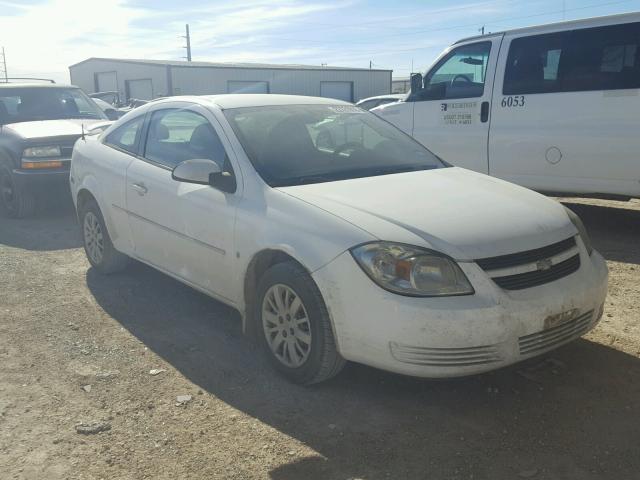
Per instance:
x=27, y=104
x=299, y=144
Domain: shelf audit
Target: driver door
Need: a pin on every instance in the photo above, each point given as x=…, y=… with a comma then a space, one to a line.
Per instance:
x=451, y=114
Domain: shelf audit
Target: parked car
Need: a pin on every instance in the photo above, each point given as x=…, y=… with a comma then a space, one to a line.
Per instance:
x=112, y=98
x=109, y=110
x=39, y=123
x=365, y=247
x=372, y=102
x=553, y=108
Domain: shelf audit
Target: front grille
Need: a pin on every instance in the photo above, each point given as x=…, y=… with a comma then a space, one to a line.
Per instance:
x=553, y=337
x=538, y=277
x=529, y=256
x=445, y=357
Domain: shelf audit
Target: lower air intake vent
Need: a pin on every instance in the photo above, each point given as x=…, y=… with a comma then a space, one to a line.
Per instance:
x=546, y=339
x=445, y=357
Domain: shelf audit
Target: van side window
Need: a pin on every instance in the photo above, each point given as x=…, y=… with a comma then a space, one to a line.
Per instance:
x=461, y=74
x=602, y=58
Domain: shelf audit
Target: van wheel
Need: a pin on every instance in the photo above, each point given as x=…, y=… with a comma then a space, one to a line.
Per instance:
x=97, y=244
x=294, y=325
x=18, y=202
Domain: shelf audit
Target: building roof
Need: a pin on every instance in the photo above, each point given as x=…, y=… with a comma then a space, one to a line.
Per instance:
x=184, y=63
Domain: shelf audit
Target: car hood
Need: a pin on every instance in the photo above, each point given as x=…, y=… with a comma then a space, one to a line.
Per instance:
x=51, y=128
x=461, y=213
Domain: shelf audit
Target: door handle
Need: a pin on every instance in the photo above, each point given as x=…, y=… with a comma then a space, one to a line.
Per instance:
x=140, y=188
x=484, y=112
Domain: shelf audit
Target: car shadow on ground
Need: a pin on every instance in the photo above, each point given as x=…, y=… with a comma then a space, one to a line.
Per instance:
x=615, y=232
x=53, y=227
x=571, y=414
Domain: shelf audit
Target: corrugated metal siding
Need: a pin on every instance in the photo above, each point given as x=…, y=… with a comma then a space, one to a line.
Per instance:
x=83, y=75
x=213, y=80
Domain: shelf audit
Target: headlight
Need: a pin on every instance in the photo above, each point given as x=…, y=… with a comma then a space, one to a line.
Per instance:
x=575, y=219
x=411, y=271
x=37, y=152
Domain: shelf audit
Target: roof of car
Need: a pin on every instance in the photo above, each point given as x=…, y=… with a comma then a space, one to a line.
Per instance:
x=35, y=85
x=239, y=100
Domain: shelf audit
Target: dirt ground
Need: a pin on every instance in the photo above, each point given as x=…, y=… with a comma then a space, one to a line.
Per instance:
x=572, y=414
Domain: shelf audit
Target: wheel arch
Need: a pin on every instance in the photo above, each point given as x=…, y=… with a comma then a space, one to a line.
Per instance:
x=260, y=263
x=89, y=190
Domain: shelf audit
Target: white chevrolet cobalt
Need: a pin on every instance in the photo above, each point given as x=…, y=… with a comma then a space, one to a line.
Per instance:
x=336, y=236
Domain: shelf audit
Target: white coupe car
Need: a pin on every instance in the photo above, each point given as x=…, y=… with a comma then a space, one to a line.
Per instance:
x=336, y=236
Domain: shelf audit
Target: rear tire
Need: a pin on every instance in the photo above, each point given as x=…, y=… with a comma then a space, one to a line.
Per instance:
x=18, y=202
x=100, y=251
x=294, y=327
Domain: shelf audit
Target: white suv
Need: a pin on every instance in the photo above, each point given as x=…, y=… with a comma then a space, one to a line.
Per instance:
x=336, y=236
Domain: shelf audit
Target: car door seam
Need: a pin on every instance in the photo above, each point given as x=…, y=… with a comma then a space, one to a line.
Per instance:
x=170, y=230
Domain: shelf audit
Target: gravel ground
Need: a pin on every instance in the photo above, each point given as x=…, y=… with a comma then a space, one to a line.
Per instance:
x=77, y=400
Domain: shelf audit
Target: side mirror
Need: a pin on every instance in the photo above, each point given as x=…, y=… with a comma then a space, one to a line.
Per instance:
x=198, y=170
x=416, y=83
x=204, y=172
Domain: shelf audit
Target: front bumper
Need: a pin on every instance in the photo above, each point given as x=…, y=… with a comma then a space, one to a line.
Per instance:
x=456, y=336
x=40, y=178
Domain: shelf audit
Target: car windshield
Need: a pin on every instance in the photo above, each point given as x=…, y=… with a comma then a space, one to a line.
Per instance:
x=26, y=104
x=298, y=144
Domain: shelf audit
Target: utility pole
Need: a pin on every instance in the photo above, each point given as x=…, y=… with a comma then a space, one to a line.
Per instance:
x=4, y=67
x=188, y=46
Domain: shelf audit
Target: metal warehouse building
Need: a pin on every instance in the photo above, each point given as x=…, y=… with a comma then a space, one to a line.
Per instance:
x=148, y=79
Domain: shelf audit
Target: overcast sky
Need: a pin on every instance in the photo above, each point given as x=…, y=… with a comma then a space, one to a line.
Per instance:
x=44, y=37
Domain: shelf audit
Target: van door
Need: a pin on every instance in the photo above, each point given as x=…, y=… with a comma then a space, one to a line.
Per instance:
x=451, y=112
x=565, y=111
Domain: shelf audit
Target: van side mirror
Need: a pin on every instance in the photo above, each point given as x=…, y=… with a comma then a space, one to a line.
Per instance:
x=416, y=83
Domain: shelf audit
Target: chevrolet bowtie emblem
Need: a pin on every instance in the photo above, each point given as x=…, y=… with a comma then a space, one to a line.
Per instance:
x=545, y=264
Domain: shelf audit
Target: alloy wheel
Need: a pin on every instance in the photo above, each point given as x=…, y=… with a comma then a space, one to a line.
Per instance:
x=93, y=238
x=286, y=325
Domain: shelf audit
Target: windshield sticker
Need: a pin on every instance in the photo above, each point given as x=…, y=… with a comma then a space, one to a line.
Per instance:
x=346, y=109
x=461, y=113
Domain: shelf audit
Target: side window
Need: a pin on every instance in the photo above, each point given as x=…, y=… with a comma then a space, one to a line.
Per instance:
x=177, y=135
x=602, y=58
x=461, y=74
x=533, y=64
x=127, y=136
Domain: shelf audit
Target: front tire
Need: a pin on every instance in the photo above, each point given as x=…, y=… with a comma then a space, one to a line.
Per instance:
x=100, y=251
x=294, y=325
x=18, y=202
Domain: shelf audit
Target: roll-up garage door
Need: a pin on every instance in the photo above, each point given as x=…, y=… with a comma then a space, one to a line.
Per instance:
x=106, y=82
x=244, y=86
x=141, y=89
x=339, y=90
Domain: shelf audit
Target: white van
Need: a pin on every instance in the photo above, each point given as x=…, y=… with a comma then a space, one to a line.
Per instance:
x=555, y=108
